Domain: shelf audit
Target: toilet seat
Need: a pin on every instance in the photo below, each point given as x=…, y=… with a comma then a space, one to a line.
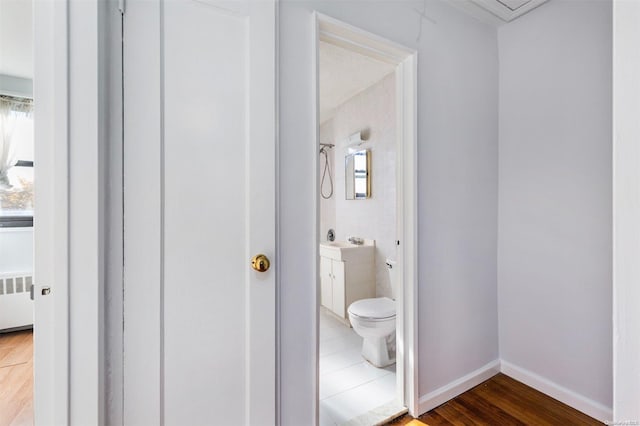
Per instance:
x=379, y=308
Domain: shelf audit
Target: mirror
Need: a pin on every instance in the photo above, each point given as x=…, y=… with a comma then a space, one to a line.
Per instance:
x=357, y=180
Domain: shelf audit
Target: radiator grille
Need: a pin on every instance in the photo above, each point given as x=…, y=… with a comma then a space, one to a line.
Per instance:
x=16, y=307
x=15, y=283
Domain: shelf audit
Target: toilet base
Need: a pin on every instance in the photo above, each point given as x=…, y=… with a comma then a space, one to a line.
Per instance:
x=379, y=351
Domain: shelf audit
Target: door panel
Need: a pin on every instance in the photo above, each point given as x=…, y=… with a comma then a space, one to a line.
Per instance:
x=199, y=163
x=204, y=224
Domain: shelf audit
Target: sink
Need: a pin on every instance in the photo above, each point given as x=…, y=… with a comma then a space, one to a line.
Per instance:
x=339, y=244
x=347, y=252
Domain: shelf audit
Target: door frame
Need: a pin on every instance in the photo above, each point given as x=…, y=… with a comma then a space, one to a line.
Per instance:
x=626, y=210
x=71, y=128
x=51, y=257
x=406, y=61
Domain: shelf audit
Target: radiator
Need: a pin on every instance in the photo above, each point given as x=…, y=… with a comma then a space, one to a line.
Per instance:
x=16, y=307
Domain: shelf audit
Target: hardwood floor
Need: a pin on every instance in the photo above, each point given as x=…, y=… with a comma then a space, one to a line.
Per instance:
x=500, y=401
x=16, y=378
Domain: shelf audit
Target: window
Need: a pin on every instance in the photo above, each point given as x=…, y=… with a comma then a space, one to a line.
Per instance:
x=16, y=162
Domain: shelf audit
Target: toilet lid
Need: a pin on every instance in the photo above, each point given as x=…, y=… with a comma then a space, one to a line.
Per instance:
x=377, y=308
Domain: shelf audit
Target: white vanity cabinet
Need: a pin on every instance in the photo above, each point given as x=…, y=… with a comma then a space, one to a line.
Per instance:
x=332, y=288
x=347, y=274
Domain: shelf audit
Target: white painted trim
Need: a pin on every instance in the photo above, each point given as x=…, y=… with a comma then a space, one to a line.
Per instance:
x=70, y=127
x=16, y=86
x=353, y=38
x=16, y=230
x=333, y=31
x=51, y=255
x=504, y=12
x=315, y=96
x=554, y=390
x=626, y=210
x=407, y=202
x=451, y=390
x=87, y=125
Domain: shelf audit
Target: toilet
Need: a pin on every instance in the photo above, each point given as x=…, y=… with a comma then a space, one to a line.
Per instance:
x=375, y=321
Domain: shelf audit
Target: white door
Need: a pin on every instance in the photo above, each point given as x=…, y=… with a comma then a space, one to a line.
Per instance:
x=199, y=202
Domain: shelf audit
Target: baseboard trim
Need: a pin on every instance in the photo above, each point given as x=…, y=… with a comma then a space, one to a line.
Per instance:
x=554, y=390
x=457, y=387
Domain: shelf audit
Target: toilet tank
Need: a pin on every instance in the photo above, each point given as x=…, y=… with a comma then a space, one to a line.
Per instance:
x=392, y=270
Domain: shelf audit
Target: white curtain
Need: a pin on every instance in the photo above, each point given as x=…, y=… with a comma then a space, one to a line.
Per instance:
x=8, y=117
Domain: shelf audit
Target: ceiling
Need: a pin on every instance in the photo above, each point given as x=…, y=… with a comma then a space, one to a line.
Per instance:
x=508, y=10
x=344, y=74
x=497, y=12
x=16, y=38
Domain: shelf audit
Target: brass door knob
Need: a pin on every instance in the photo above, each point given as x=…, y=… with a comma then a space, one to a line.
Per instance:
x=260, y=263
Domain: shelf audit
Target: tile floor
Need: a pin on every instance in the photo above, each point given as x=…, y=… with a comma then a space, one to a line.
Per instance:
x=352, y=391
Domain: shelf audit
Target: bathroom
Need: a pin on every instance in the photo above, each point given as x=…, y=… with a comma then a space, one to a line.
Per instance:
x=513, y=263
x=357, y=236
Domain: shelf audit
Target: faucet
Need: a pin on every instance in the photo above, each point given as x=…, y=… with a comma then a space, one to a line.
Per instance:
x=357, y=241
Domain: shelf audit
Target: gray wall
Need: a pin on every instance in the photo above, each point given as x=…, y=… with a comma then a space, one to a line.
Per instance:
x=457, y=186
x=554, y=256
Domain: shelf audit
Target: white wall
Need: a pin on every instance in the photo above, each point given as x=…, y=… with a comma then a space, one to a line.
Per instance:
x=372, y=111
x=626, y=208
x=16, y=38
x=16, y=256
x=554, y=257
x=16, y=250
x=457, y=163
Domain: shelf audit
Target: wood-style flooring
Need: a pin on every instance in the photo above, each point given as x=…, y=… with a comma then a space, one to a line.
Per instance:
x=16, y=378
x=501, y=401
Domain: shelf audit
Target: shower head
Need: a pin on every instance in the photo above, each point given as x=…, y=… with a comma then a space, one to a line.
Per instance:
x=325, y=146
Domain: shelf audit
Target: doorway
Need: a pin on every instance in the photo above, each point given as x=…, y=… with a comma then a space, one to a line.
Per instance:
x=16, y=254
x=16, y=212
x=366, y=184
